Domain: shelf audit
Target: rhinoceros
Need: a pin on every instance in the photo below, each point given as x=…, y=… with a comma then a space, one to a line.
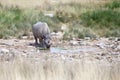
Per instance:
x=41, y=31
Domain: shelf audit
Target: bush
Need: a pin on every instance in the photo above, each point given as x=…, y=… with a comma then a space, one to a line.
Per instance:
x=105, y=18
x=78, y=31
x=17, y=22
x=113, y=5
x=68, y=12
x=113, y=33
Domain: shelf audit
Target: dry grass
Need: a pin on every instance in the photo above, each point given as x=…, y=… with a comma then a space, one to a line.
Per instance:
x=59, y=69
x=44, y=3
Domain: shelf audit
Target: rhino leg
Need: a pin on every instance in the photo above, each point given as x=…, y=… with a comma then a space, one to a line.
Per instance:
x=36, y=42
x=42, y=44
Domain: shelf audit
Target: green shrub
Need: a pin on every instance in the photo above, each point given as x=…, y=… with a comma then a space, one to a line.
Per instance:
x=113, y=5
x=113, y=33
x=101, y=20
x=78, y=31
x=16, y=22
x=105, y=18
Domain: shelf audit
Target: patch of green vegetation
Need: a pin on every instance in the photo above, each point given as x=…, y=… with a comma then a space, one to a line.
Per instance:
x=17, y=22
x=82, y=22
x=113, y=33
x=113, y=5
x=103, y=19
x=78, y=31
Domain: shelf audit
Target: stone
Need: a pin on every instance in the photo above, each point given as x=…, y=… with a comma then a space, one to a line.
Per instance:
x=24, y=37
x=3, y=50
x=87, y=38
x=101, y=45
x=73, y=43
x=118, y=39
x=118, y=47
x=63, y=57
x=64, y=27
x=83, y=43
x=49, y=14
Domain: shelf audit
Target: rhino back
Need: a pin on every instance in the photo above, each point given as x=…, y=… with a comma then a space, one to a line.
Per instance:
x=40, y=28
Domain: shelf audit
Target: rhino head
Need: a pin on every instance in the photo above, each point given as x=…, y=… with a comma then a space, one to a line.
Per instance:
x=47, y=40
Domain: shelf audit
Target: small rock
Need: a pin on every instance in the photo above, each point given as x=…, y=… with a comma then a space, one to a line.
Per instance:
x=49, y=14
x=4, y=50
x=98, y=57
x=118, y=47
x=16, y=40
x=63, y=57
x=74, y=43
x=64, y=27
x=53, y=33
x=87, y=38
x=101, y=45
x=103, y=54
x=24, y=51
x=83, y=43
x=24, y=37
x=118, y=39
x=112, y=38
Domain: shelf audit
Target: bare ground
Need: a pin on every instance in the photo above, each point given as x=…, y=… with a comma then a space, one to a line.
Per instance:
x=100, y=50
x=66, y=60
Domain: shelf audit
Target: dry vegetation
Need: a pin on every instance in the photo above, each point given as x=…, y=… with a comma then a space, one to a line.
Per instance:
x=43, y=3
x=57, y=69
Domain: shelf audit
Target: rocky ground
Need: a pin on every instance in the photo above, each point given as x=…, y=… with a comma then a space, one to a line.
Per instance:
x=98, y=50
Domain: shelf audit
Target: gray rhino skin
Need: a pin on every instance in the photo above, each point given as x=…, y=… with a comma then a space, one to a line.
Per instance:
x=41, y=31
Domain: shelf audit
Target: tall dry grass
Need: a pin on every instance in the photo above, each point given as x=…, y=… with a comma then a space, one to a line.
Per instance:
x=44, y=3
x=58, y=69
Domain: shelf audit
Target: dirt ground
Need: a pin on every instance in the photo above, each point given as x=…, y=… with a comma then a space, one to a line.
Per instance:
x=97, y=50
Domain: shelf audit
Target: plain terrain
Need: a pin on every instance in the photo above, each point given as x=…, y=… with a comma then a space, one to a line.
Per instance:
x=89, y=49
